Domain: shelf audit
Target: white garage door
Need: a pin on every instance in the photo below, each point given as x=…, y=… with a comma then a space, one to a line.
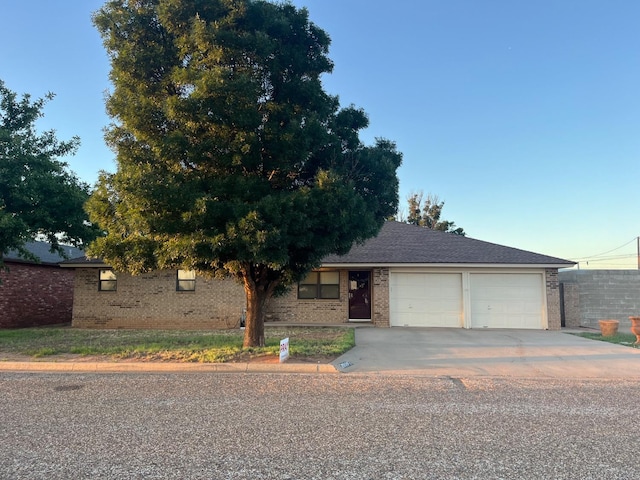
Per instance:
x=506, y=300
x=426, y=300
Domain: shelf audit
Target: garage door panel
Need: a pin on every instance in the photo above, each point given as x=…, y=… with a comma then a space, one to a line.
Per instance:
x=408, y=292
x=426, y=299
x=506, y=300
x=496, y=300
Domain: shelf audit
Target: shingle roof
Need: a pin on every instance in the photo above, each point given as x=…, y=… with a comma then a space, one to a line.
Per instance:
x=400, y=243
x=42, y=251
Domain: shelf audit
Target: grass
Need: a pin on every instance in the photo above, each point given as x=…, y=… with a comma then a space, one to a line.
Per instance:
x=211, y=346
x=626, y=339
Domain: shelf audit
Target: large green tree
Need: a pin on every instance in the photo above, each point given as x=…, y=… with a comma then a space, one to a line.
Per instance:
x=427, y=212
x=39, y=196
x=232, y=160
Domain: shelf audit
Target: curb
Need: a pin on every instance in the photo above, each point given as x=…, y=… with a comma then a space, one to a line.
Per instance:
x=108, y=367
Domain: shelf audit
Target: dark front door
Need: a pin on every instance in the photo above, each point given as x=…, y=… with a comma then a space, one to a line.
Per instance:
x=359, y=295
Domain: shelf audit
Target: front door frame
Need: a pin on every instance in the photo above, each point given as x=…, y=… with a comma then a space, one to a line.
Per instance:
x=360, y=307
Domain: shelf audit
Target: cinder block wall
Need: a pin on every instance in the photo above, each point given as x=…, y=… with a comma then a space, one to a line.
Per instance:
x=571, y=300
x=592, y=295
x=33, y=295
x=151, y=301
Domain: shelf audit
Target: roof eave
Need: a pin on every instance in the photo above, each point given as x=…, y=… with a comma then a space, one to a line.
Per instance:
x=84, y=265
x=447, y=265
x=30, y=262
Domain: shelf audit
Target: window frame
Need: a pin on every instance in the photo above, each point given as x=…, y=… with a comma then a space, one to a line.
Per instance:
x=185, y=281
x=316, y=288
x=112, y=280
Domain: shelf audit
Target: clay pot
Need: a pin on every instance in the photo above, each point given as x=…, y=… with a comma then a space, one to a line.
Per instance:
x=635, y=328
x=609, y=328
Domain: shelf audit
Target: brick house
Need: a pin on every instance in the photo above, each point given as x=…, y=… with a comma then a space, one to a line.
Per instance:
x=406, y=276
x=36, y=293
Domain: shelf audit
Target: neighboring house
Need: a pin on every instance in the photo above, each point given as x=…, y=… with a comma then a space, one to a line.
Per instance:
x=36, y=293
x=406, y=276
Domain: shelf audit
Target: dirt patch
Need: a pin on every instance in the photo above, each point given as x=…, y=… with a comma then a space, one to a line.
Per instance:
x=319, y=359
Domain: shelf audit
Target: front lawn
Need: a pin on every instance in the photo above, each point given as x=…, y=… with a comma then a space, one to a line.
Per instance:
x=211, y=346
x=626, y=339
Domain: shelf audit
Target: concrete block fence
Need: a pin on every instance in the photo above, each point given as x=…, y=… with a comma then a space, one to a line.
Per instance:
x=592, y=295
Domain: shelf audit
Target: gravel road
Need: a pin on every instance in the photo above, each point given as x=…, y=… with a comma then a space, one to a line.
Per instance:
x=297, y=426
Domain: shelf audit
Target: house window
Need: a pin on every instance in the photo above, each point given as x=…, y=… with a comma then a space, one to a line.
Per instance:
x=320, y=285
x=108, y=281
x=186, y=281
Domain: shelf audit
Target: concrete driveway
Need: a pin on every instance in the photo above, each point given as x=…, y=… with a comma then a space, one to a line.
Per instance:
x=496, y=353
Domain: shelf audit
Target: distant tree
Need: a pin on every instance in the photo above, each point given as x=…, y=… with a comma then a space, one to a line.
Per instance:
x=39, y=196
x=427, y=213
x=232, y=160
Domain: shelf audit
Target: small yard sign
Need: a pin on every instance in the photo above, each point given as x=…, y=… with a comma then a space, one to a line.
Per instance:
x=284, y=349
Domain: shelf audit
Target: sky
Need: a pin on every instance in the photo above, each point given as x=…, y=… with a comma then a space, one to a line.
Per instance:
x=522, y=116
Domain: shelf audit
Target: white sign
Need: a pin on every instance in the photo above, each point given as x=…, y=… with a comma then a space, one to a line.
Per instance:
x=284, y=349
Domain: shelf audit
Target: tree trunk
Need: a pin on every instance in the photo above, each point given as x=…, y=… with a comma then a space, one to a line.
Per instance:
x=258, y=292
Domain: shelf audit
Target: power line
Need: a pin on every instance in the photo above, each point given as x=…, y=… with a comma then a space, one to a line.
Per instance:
x=610, y=257
x=609, y=251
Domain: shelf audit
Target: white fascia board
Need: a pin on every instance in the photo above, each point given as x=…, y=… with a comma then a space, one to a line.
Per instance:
x=444, y=265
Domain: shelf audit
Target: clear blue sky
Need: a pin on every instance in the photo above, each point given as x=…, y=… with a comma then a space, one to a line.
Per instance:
x=524, y=117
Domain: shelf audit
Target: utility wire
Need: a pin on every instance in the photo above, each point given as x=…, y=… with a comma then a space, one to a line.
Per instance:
x=609, y=251
x=608, y=259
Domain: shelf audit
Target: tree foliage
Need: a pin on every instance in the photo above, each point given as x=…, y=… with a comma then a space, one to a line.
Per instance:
x=232, y=160
x=39, y=196
x=427, y=212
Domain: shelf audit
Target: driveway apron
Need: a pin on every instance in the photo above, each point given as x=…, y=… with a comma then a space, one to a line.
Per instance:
x=496, y=353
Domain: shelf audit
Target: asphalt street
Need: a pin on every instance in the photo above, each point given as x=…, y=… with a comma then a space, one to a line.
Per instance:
x=312, y=426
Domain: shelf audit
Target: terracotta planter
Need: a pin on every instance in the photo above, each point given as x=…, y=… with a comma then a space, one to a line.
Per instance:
x=635, y=327
x=609, y=328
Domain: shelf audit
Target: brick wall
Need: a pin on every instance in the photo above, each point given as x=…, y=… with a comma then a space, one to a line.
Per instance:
x=324, y=312
x=592, y=295
x=381, y=315
x=151, y=301
x=553, y=299
x=289, y=308
x=33, y=295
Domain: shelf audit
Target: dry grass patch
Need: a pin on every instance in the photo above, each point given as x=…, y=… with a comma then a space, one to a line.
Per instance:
x=211, y=346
